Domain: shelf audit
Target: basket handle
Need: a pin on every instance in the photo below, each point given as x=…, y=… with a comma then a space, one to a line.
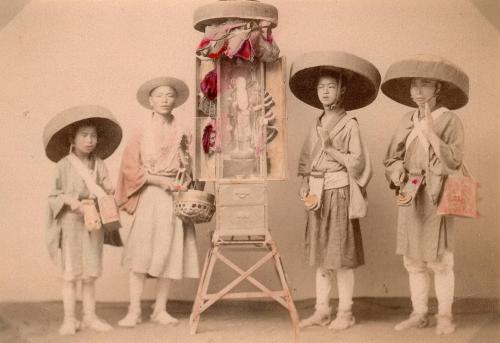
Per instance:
x=198, y=185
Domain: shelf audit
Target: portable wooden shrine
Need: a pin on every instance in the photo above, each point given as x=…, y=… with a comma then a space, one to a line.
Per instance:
x=240, y=141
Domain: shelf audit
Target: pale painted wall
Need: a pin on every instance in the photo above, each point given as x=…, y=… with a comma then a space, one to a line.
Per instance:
x=56, y=54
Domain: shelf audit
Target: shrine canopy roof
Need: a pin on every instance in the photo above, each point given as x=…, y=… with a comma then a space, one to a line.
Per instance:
x=223, y=10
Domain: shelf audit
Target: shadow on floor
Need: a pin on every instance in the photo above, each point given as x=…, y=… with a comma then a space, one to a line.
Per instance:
x=252, y=321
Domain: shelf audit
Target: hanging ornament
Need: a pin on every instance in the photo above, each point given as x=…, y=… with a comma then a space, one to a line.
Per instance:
x=209, y=85
x=245, y=39
x=209, y=138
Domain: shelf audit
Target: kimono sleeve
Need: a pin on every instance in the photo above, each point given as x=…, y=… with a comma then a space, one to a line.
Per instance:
x=451, y=146
x=56, y=208
x=132, y=175
x=355, y=158
x=397, y=147
x=56, y=195
x=305, y=157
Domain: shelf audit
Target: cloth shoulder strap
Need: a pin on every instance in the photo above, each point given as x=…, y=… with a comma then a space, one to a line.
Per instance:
x=417, y=131
x=317, y=151
x=84, y=172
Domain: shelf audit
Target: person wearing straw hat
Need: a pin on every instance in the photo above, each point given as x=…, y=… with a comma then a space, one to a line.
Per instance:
x=159, y=244
x=78, y=139
x=428, y=145
x=335, y=169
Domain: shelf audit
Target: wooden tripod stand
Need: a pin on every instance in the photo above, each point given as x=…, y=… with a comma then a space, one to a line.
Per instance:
x=204, y=299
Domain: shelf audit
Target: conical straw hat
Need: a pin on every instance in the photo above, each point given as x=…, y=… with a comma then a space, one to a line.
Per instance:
x=57, y=132
x=454, y=92
x=363, y=78
x=147, y=87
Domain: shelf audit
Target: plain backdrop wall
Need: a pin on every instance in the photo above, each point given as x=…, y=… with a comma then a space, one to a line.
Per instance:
x=56, y=54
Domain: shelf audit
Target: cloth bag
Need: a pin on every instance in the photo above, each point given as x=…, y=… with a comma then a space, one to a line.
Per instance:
x=316, y=186
x=107, y=209
x=91, y=215
x=459, y=197
x=313, y=199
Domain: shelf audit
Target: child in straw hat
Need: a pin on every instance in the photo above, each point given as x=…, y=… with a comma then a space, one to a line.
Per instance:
x=159, y=244
x=427, y=146
x=335, y=169
x=78, y=139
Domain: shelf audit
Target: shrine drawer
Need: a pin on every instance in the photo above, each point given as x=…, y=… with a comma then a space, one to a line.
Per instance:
x=242, y=194
x=241, y=218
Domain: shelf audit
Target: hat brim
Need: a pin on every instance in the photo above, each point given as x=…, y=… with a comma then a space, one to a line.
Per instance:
x=221, y=11
x=454, y=93
x=57, y=131
x=181, y=90
x=362, y=82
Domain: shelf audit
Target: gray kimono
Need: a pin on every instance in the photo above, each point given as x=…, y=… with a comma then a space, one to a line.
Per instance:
x=81, y=250
x=333, y=235
x=421, y=233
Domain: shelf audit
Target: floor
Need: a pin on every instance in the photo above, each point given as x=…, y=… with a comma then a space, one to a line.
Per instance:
x=242, y=322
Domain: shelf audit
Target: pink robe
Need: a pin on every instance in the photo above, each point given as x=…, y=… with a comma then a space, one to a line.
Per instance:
x=132, y=176
x=158, y=244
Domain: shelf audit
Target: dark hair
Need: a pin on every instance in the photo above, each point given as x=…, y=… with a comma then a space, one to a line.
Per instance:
x=440, y=88
x=333, y=73
x=73, y=129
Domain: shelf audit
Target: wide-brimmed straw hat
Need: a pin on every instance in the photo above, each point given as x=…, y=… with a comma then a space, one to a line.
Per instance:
x=147, y=87
x=362, y=77
x=454, y=92
x=56, y=135
x=220, y=11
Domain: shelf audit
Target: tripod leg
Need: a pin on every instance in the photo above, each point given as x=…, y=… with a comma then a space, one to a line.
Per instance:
x=202, y=289
x=291, y=305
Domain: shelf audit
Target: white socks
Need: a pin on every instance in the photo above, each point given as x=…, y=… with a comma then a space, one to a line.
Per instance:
x=419, y=290
x=88, y=299
x=160, y=315
x=162, y=289
x=136, y=285
x=444, y=282
x=70, y=324
x=323, y=289
x=69, y=298
x=90, y=320
x=345, y=285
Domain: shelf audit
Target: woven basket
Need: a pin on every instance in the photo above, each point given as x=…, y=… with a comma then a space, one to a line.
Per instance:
x=194, y=206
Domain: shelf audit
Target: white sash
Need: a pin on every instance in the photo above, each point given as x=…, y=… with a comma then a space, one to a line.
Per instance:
x=87, y=177
x=417, y=128
x=336, y=179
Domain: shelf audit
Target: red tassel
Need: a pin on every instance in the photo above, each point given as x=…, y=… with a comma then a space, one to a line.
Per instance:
x=246, y=51
x=209, y=85
x=205, y=141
